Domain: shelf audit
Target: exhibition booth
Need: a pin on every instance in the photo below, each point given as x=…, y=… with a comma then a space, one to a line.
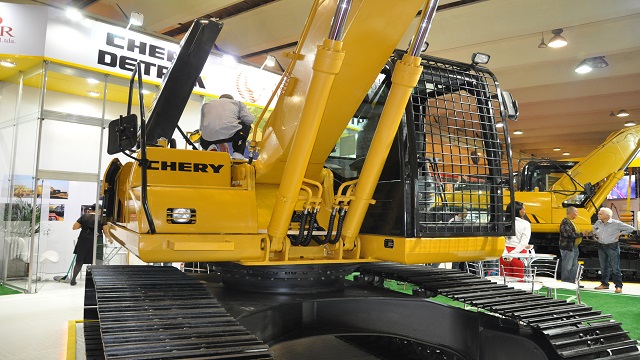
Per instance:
x=65, y=81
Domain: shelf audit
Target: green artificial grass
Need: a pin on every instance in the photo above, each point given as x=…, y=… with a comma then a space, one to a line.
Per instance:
x=6, y=291
x=625, y=309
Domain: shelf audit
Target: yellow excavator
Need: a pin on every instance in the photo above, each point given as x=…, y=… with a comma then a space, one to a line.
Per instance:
x=319, y=201
x=547, y=188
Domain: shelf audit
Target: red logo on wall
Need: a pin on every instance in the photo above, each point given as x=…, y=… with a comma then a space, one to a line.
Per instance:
x=6, y=31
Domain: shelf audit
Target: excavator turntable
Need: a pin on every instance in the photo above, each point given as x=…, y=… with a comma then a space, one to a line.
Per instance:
x=361, y=169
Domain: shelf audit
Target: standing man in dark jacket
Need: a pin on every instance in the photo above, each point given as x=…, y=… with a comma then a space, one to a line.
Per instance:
x=570, y=238
x=607, y=231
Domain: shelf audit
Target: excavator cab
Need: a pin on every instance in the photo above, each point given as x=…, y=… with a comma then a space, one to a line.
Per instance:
x=446, y=156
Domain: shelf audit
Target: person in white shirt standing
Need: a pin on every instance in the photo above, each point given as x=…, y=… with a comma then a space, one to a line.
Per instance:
x=225, y=120
x=516, y=244
x=607, y=231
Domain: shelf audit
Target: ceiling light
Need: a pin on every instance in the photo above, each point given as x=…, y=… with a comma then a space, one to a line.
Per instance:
x=499, y=124
x=583, y=68
x=566, y=153
x=145, y=92
x=229, y=60
x=517, y=132
x=622, y=113
x=542, y=44
x=588, y=64
x=557, y=40
x=92, y=81
x=7, y=63
x=74, y=14
x=269, y=61
x=93, y=93
x=630, y=123
x=136, y=19
x=556, y=149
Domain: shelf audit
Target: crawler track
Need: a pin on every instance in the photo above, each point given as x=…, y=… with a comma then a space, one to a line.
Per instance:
x=153, y=312
x=149, y=312
x=573, y=331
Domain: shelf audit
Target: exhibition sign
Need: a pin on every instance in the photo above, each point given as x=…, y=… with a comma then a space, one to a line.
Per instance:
x=27, y=30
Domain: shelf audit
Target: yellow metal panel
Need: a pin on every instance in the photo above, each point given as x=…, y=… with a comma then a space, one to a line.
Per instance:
x=201, y=246
x=217, y=210
x=434, y=250
x=190, y=247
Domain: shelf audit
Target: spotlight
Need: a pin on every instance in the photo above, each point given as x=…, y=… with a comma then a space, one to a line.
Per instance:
x=557, y=40
x=630, y=123
x=93, y=93
x=269, y=61
x=136, y=19
x=229, y=60
x=499, y=125
x=480, y=58
x=517, y=132
x=556, y=149
x=92, y=81
x=566, y=154
x=622, y=113
x=73, y=14
x=588, y=64
x=542, y=44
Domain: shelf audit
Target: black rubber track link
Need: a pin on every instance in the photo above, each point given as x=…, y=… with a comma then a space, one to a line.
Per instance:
x=159, y=312
x=574, y=331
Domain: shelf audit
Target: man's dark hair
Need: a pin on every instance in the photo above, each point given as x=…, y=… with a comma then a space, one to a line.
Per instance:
x=226, y=96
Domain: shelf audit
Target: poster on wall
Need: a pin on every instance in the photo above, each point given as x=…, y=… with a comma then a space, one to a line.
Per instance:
x=56, y=212
x=23, y=186
x=59, y=189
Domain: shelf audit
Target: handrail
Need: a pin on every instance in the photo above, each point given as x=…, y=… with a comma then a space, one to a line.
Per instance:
x=142, y=162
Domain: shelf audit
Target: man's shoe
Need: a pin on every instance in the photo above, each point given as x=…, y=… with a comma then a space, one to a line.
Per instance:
x=73, y=283
x=238, y=156
x=618, y=290
x=601, y=287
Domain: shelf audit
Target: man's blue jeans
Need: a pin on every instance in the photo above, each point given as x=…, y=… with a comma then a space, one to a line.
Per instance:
x=609, y=255
x=569, y=264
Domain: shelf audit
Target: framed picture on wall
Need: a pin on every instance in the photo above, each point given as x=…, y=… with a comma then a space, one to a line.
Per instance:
x=59, y=189
x=56, y=212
